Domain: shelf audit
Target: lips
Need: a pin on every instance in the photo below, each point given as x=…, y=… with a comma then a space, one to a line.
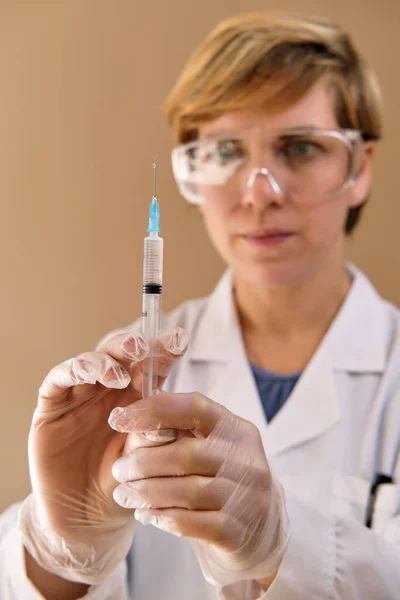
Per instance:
x=270, y=233
x=268, y=237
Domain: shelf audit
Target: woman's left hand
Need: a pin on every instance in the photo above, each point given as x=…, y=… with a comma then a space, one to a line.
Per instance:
x=213, y=484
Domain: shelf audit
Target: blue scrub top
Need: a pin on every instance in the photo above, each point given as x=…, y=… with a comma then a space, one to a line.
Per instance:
x=273, y=389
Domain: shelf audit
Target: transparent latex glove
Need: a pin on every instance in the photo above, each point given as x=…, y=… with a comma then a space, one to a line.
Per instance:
x=70, y=523
x=213, y=484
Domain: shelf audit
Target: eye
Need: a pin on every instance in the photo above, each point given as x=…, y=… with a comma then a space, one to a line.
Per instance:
x=300, y=149
x=191, y=153
x=228, y=150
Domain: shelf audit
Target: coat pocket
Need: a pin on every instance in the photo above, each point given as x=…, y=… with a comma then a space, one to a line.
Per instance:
x=387, y=505
x=350, y=496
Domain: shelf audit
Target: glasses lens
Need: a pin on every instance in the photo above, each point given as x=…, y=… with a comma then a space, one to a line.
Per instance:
x=316, y=164
x=207, y=162
x=308, y=166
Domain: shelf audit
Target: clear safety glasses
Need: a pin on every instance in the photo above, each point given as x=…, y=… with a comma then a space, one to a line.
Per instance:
x=303, y=164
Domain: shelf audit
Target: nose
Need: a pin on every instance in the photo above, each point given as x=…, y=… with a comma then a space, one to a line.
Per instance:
x=262, y=188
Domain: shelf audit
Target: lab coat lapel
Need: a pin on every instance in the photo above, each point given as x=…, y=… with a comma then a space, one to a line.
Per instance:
x=354, y=342
x=235, y=387
x=218, y=345
x=311, y=409
x=218, y=357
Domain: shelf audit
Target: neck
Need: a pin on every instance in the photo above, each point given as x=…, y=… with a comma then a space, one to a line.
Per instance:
x=283, y=326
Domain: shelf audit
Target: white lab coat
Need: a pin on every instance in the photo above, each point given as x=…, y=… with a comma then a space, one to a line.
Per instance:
x=338, y=429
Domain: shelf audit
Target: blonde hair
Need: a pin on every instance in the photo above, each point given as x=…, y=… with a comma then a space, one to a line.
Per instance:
x=266, y=61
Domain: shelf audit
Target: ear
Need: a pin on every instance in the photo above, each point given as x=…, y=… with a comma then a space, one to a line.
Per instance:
x=360, y=189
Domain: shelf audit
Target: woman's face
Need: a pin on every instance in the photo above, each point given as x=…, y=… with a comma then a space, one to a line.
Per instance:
x=280, y=239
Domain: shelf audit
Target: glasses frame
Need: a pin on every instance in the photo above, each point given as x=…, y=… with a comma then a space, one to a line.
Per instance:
x=352, y=138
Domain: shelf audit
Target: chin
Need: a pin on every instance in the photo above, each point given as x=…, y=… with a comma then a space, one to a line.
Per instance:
x=273, y=274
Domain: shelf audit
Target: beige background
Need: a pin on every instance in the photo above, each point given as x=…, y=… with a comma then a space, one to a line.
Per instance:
x=81, y=84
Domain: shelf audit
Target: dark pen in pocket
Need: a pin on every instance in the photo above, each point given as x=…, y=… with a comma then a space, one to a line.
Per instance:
x=379, y=480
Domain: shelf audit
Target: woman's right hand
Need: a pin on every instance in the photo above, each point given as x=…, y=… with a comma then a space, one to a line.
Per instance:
x=71, y=524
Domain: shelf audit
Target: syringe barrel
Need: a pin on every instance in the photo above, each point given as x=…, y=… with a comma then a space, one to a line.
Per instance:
x=151, y=309
x=151, y=319
x=153, y=261
x=151, y=323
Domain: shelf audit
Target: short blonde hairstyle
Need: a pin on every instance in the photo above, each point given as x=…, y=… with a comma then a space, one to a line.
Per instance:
x=267, y=62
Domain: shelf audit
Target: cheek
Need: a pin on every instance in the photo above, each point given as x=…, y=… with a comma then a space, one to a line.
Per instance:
x=326, y=222
x=216, y=221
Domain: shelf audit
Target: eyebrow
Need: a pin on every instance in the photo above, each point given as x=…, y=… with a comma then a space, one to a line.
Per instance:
x=293, y=128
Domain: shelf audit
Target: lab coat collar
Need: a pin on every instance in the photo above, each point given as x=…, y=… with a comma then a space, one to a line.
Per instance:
x=354, y=342
x=356, y=338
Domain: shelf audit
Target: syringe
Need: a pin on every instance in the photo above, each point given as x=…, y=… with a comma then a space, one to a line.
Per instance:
x=152, y=292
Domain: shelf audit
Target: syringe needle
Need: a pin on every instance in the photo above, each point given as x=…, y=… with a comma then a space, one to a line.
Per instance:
x=155, y=176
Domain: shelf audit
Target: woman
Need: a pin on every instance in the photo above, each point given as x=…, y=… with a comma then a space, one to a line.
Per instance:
x=277, y=457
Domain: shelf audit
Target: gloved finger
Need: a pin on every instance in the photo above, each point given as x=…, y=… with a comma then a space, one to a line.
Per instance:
x=146, y=440
x=187, y=456
x=212, y=527
x=140, y=440
x=221, y=531
x=175, y=342
x=167, y=350
x=127, y=348
x=87, y=368
x=193, y=492
x=160, y=436
x=193, y=412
